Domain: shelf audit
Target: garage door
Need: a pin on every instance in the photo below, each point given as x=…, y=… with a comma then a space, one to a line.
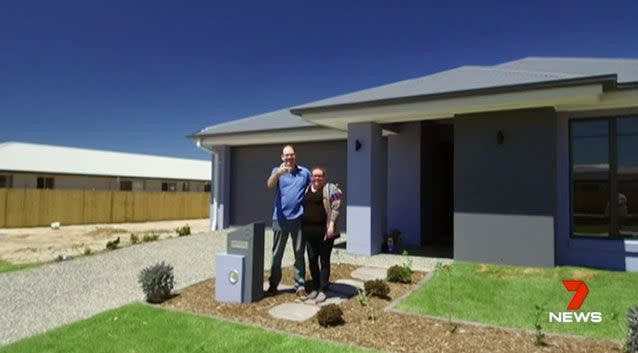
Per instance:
x=251, y=200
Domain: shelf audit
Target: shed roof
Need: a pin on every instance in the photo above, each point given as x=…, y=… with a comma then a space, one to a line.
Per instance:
x=39, y=158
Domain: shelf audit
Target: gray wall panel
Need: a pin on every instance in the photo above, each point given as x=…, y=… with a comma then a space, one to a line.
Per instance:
x=504, y=195
x=251, y=200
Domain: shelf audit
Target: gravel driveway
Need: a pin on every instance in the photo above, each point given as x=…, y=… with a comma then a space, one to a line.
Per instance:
x=39, y=299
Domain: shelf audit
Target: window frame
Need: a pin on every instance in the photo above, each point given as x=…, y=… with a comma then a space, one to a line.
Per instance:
x=614, y=227
x=130, y=183
x=45, y=180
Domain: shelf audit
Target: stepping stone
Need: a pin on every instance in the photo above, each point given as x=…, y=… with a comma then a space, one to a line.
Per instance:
x=369, y=273
x=331, y=300
x=281, y=287
x=294, y=311
x=350, y=282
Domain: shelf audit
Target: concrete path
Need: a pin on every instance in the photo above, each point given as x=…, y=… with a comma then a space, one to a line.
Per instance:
x=39, y=299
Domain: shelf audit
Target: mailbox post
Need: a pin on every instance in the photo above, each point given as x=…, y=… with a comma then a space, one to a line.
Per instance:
x=239, y=271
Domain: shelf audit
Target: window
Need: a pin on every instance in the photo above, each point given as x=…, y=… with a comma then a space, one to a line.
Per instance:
x=186, y=186
x=604, y=184
x=627, y=135
x=3, y=182
x=207, y=187
x=169, y=186
x=126, y=185
x=45, y=183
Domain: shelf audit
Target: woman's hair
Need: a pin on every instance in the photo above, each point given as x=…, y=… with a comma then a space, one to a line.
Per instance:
x=322, y=169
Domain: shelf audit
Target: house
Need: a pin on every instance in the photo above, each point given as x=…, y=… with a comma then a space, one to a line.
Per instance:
x=28, y=165
x=529, y=162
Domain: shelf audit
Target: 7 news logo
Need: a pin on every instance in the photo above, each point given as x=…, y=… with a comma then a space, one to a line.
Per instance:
x=581, y=292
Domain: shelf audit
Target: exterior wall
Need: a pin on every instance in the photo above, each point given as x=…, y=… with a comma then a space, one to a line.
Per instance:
x=367, y=186
x=404, y=183
x=84, y=183
x=79, y=182
x=251, y=200
x=504, y=195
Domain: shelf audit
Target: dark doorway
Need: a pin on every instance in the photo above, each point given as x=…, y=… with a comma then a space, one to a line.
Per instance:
x=437, y=188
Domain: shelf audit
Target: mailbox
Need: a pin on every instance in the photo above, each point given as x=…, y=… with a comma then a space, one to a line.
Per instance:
x=240, y=270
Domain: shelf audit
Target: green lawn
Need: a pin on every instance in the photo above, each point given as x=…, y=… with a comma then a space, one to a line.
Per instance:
x=9, y=267
x=140, y=328
x=506, y=296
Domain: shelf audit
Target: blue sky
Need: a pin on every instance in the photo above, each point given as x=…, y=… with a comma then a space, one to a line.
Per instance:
x=137, y=76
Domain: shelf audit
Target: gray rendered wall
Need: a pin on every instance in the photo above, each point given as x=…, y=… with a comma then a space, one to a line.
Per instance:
x=367, y=183
x=404, y=182
x=251, y=200
x=504, y=195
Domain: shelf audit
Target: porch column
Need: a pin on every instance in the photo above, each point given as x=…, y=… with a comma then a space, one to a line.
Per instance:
x=404, y=183
x=222, y=164
x=366, y=189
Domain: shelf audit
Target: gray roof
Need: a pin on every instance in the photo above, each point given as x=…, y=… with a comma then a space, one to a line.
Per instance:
x=461, y=79
x=279, y=119
x=466, y=79
x=626, y=69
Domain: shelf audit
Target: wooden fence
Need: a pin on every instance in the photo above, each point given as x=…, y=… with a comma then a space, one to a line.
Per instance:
x=40, y=207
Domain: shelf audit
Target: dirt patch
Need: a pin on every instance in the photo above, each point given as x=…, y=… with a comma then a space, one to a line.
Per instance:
x=390, y=331
x=105, y=232
x=583, y=274
x=43, y=244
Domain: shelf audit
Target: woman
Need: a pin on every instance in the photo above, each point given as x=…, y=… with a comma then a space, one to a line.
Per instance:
x=321, y=203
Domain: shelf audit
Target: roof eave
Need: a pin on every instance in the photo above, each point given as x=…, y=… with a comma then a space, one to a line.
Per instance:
x=609, y=81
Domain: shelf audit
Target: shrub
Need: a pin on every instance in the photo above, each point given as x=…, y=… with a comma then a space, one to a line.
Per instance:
x=157, y=282
x=364, y=300
x=113, y=244
x=182, y=231
x=87, y=251
x=330, y=315
x=150, y=237
x=134, y=239
x=377, y=288
x=632, y=333
x=400, y=274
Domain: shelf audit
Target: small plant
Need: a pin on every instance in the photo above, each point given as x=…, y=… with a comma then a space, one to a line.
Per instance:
x=150, y=237
x=134, y=239
x=182, y=231
x=113, y=244
x=400, y=274
x=157, y=282
x=364, y=300
x=391, y=241
x=539, y=335
x=330, y=315
x=446, y=269
x=87, y=251
x=631, y=345
x=377, y=288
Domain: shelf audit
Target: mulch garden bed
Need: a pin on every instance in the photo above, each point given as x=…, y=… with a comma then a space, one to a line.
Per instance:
x=390, y=331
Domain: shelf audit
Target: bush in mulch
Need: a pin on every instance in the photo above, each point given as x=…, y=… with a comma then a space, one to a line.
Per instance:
x=157, y=282
x=399, y=274
x=377, y=288
x=330, y=315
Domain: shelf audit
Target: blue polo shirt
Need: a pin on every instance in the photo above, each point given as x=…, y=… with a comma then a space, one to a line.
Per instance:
x=289, y=193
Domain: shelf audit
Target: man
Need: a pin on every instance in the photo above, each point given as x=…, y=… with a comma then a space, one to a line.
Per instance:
x=290, y=182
